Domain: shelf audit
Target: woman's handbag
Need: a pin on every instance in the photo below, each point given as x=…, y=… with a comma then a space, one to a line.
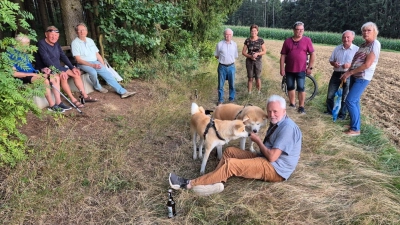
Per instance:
x=112, y=71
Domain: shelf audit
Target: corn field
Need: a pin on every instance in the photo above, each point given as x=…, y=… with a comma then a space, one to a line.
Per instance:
x=327, y=38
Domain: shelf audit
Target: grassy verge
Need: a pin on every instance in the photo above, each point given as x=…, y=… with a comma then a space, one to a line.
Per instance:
x=112, y=167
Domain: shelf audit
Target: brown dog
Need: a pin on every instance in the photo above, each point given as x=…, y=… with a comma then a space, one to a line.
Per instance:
x=213, y=133
x=257, y=118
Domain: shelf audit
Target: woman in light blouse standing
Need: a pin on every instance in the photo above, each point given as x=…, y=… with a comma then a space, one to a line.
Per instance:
x=361, y=72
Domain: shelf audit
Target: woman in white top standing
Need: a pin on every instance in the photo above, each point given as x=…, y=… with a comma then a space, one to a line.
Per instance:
x=361, y=72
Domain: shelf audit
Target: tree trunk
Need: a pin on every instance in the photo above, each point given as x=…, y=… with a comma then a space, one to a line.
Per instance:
x=43, y=14
x=71, y=16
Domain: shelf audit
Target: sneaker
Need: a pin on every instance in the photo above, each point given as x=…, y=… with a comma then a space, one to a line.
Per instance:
x=56, y=108
x=63, y=106
x=127, y=94
x=293, y=106
x=177, y=182
x=205, y=190
x=341, y=117
x=102, y=90
x=301, y=110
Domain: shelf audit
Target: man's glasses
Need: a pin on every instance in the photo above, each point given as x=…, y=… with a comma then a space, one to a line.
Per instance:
x=52, y=30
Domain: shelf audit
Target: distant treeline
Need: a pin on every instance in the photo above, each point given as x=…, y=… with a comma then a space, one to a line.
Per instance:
x=328, y=38
x=321, y=15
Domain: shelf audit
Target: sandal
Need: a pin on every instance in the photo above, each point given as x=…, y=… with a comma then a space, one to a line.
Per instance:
x=78, y=104
x=90, y=99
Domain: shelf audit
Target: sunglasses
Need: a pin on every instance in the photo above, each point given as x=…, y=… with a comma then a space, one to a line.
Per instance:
x=51, y=30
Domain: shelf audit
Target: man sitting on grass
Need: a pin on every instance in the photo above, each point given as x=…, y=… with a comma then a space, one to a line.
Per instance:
x=278, y=157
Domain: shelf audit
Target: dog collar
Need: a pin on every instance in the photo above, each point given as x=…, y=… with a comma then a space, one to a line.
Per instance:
x=209, y=125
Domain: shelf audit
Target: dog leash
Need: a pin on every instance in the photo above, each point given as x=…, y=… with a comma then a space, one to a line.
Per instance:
x=242, y=110
x=209, y=125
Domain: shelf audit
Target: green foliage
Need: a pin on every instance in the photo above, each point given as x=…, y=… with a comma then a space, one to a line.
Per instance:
x=135, y=28
x=15, y=98
x=320, y=15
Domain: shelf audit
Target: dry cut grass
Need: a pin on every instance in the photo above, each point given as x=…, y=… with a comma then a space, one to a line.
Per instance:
x=111, y=167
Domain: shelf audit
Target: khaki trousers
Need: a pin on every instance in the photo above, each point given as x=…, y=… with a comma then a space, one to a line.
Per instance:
x=240, y=163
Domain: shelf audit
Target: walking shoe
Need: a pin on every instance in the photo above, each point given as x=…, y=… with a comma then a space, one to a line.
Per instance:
x=127, y=94
x=56, y=108
x=102, y=90
x=341, y=117
x=293, y=106
x=205, y=190
x=352, y=133
x=301, y=110
x=177, y=182
x=63, y=106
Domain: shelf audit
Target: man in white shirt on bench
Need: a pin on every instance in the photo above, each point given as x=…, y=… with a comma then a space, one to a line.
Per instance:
x=89, y=60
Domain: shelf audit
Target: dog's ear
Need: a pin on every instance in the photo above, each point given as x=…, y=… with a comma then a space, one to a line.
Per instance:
x=201, y=109
x=245, y=118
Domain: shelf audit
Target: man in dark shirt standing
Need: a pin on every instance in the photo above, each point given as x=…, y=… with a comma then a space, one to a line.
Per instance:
x=50, y=54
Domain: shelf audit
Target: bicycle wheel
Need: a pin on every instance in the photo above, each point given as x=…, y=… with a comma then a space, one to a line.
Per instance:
x=310, y=86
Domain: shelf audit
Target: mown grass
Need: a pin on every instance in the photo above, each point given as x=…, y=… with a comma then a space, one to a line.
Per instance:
x=119, y=175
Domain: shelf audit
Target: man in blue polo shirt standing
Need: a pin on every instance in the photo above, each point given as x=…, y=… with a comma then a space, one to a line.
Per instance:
x=226, y=52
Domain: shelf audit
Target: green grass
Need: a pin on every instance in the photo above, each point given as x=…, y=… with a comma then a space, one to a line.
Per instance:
x=112, y=167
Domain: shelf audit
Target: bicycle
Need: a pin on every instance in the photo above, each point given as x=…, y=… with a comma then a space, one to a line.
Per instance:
x=310, y=86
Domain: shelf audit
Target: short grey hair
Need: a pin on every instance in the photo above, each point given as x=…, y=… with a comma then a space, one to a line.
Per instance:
x=277, y=98
x=228, y=29
x=298, y=23
x=21, y=37
x=352, y=32
x=372, y=25
x=80, y=24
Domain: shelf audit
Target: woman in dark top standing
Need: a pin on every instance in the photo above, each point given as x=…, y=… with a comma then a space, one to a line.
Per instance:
x=253, y=49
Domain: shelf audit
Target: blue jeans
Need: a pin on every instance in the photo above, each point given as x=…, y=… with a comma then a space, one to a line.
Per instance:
x=357, y=87
x=334, y=84
x=226, y=73
x=300, y=79
x=103, y=72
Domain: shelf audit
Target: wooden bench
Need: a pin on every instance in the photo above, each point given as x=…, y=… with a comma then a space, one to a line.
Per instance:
x=41, y=102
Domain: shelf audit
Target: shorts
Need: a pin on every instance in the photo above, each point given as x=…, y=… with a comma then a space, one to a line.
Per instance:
x=253, y=68
x=300, y=79
x=25, y=80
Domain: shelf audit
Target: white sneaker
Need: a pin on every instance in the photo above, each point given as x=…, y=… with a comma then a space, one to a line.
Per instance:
x=205, y=190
